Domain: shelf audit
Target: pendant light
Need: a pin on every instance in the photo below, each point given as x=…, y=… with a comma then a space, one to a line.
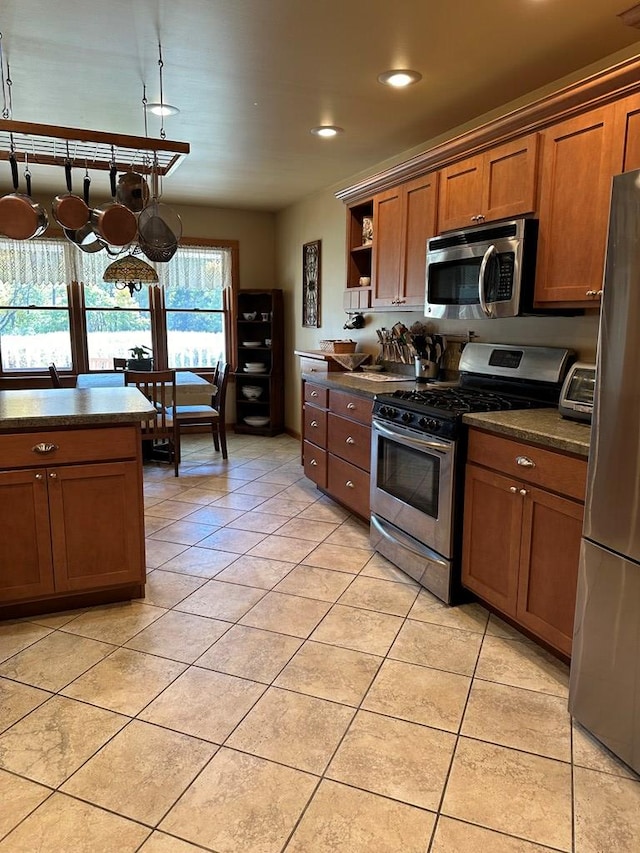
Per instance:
x=130, y=272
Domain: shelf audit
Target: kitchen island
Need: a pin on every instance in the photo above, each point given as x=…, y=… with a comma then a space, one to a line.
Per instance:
x=71, y=509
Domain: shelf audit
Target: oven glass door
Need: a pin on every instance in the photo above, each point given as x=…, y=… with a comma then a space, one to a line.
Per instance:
x=412, y=480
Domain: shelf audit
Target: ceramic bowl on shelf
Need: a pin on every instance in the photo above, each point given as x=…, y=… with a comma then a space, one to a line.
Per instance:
x=250, y=315
x=260, y=369
x=251, y=344
x=256, y=420
x=251, y=392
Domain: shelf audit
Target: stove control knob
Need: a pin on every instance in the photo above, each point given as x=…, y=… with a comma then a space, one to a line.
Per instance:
x=429, y=423
x=407, y=417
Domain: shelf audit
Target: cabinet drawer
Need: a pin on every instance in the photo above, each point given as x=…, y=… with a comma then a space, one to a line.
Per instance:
x=68, y=446
x=315, y=464
x=349, y=485
x=313, y=365
x=351, y=406
x=315, y=425
x=349, y=440
x=550, y=470
x=315, y=394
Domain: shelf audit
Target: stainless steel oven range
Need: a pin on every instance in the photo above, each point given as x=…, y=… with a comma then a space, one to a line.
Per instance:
x=418, y=451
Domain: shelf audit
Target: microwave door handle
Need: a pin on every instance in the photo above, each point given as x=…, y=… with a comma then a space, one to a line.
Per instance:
x=483, y=268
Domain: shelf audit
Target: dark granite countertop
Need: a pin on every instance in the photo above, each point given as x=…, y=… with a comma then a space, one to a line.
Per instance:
x=47, y=408
x=544, y=427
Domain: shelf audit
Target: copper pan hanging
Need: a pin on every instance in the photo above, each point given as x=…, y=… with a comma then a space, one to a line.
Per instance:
x=20, y=217
x=69, y=210
x=85, y=238
x=113, y=222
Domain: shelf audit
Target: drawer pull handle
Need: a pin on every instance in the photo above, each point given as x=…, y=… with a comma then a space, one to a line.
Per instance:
x=513, y=489
x=314, y=423
x=53, y=475
x=39, y=477
x=349, y=440
x=44, y=447
x=313, y=462
x=523, y=492
x=525, y=462
x=351, y=405
x=313, y=394
x=349, y=484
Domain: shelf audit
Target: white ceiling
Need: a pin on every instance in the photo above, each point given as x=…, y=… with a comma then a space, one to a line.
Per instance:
x=251, y=77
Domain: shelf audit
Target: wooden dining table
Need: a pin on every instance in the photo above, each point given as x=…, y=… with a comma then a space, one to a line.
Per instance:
x=191, y=389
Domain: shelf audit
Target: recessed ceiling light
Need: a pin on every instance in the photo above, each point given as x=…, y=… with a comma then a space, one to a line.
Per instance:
x=163, y=109
x=399, y=77
x=327, y=130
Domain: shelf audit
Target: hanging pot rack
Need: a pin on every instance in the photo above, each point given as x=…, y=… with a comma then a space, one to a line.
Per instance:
x=49, y=145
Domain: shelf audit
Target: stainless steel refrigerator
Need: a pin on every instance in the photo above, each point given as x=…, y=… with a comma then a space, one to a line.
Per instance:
x=605, y=669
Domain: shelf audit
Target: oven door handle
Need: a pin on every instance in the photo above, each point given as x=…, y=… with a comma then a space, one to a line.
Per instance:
x=491, y=251
x=411, y=441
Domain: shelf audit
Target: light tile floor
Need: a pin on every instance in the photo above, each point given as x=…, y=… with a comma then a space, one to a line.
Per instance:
x=281, y=687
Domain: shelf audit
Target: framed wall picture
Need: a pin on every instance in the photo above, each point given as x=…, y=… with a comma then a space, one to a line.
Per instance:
x=311, y=284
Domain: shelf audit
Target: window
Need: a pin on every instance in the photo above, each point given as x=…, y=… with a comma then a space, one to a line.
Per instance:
x=34, y=307
x=54, y=306
x=194, y=286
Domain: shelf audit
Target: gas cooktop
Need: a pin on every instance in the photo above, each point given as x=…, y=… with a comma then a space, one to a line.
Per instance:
x=494, y=377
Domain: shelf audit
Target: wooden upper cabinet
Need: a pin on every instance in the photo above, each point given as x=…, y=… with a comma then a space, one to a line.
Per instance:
x=420, y=208
x=404, y=219
x=628, y=126
x=387, y=246
x=498, y=184
x=460, y=194
x=580, y=156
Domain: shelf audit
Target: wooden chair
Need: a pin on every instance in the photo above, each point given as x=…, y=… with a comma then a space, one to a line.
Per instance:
x=119, y=363
x=55, y=376
x=159, y=387
x=213, y=414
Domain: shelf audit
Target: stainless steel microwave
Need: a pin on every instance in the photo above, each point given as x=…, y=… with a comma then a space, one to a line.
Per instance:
x=483, y=271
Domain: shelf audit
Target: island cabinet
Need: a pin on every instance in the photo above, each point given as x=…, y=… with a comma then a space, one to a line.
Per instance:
x=71, y=517
x=404, y=219
x=522, y=528
x=337, y=444
x=497, y=184
x=580, y=157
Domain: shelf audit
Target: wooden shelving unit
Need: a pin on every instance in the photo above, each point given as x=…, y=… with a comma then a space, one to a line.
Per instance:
x=267, y=324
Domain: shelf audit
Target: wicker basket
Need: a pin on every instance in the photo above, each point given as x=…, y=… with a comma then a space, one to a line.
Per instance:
x=338, y=346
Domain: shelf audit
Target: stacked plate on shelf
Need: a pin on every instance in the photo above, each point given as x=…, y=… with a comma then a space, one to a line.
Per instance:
x=256, y=420
x=255, y=367
x=251, y=344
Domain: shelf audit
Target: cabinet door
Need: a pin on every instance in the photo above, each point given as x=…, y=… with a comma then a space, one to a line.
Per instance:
x=580, y=158
x=96, y=525
x=510, y=179
x=491, y=540
x=420, y=210
x=628, y=130
x=26, y=567
x=387, y=247
x=549, y=558
x=460, y=194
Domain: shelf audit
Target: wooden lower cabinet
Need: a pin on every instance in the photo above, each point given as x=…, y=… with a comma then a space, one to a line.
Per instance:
x=69, y=529
x=521, y=541
x=336, y=446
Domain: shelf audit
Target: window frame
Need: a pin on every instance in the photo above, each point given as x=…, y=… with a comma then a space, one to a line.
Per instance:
x=77, y=312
